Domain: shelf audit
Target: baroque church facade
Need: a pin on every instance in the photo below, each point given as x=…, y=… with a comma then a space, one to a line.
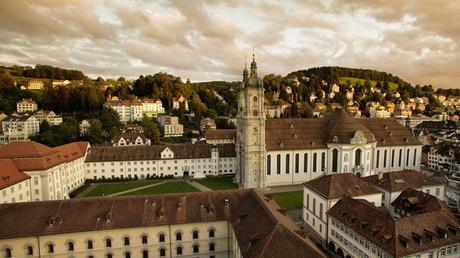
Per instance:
x=274, y=152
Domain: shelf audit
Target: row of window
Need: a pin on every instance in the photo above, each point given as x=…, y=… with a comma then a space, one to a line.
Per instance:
x=363, y=242
x=296, y=163
x=350, y=246
x=145, y=254
x=126, y=242
x=400, y=160
x=314, y=207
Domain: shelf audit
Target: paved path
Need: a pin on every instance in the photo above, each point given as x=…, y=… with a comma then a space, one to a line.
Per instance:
x=85, y=192
x=280, y=189
x=198, y=186
x=137, y=189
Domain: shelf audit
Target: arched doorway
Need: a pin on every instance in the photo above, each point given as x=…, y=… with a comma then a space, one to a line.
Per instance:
x=340, y=252
x=331, y=246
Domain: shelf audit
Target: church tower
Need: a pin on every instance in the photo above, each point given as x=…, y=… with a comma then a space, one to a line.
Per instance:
x=250, y=145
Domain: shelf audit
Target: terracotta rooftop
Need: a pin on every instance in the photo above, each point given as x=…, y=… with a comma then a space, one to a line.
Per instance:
x=400, y=180
x=25, y=149
x=220, y=134
x=398, y=237
x=338, y=127
x=153, y=152
x=335, y=186
x=412, y=202
x=9, y=174
x=30, y=155
x=261, y=230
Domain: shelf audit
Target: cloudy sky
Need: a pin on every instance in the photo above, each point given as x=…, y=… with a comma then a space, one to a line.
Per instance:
x=418, y=40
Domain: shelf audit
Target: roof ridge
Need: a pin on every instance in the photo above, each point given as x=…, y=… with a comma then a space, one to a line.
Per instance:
x=270, y=239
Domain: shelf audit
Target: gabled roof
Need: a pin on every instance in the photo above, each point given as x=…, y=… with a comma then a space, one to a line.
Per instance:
x=334, y=186
x=9, y=174
x=400, y=180
x=260, y=228
x=153, y=152
x=25, y=149
x=30, y=155
x=220, y=134
x=414, y=202
x=129, y=137
x=397, y=236
x=263, y=230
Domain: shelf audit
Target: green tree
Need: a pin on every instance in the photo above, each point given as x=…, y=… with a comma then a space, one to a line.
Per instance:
x=95, y=132
x=307, y=110
x=6, y=80
x=109, y=119
x=151, y=129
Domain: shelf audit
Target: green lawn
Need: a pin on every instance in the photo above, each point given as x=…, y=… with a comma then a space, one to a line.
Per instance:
x=218, y=183
x=111, y=188
x=393, y=86
x=289, y=200
x=171, y=187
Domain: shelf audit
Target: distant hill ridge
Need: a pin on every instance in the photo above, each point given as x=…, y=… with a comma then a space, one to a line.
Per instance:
x=332, y=74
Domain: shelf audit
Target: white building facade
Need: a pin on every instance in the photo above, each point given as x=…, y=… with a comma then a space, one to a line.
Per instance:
x=54, y=172
x=20, y=125
x=128, y=110
x=174, y=160
x=26, y=105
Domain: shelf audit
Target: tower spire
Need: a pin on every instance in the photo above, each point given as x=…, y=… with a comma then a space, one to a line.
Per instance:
x=245, y=71
x=253, y=64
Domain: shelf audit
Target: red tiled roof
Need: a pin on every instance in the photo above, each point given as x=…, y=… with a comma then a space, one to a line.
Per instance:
x=9, y=174
x=153, y=152
x=315, y=133
x=400, y=180
x=396, y=236
x=262, y=231
x=335, y=186
x=30, y=155
x=220, y=134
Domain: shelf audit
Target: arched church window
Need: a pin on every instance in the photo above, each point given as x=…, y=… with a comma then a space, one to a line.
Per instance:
x=358, y=157
x=254, y=113
x=335, y=160
x=254, y=98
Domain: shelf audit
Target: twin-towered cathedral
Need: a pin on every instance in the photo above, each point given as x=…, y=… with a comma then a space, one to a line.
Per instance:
x=273, y=152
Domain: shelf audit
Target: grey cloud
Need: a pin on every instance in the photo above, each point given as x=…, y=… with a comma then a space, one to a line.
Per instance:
x=187, y=39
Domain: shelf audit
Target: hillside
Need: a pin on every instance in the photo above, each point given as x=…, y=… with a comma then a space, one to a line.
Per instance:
x=352, y=80
x=335, y=74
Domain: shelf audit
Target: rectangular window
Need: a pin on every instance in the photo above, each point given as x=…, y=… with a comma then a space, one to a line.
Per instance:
x=407, y=158
x=385, y=159
x=305, y=163
x=400, y=157
x=314, y=161
x=392, y=158
x=269, y=164
x=297, y=163
x=415, y=157
x=378, y=158
x=278, y=164
x=288, y=158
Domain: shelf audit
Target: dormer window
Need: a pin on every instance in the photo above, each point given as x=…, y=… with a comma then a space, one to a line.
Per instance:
x=335, y=139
